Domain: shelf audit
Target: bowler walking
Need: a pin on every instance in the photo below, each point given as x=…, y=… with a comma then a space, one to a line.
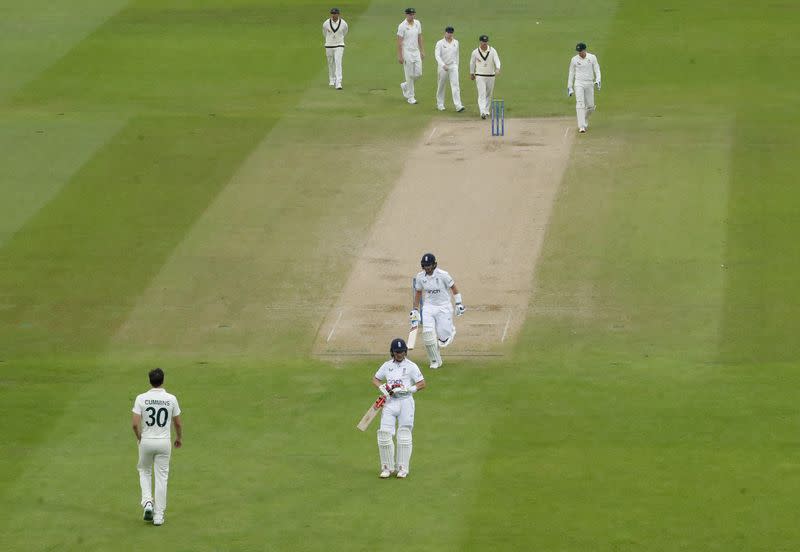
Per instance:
x=153, y=413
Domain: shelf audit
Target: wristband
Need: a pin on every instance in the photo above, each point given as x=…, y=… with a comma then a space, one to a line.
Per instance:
x=457, y=297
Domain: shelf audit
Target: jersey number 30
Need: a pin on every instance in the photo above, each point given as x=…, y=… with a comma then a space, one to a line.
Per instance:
x=158, y=418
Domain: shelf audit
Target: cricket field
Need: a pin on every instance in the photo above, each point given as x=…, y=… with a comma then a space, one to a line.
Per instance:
x=179, y=187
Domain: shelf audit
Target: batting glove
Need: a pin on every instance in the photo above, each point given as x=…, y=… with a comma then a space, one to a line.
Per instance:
x=460, y=309
x=385, y=390
x=415, y=318
x=597, y=84
x=570, y=92
x=400, y=391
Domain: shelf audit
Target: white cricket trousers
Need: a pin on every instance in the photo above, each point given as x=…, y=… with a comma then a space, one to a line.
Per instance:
x=154, y=453
x=485, y=89
x=334, y=56
x=398, y=413
x=412, y=69
x=584, y=102
x=438, y=318
x=450, y=74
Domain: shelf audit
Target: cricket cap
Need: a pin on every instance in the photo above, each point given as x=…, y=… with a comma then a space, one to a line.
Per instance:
x=580, y=47
x=411, y=10
x=483, y=38
x=334, y=10
x=449, y=30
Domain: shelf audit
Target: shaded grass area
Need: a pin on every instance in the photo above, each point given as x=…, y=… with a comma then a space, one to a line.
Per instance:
x=73, y=271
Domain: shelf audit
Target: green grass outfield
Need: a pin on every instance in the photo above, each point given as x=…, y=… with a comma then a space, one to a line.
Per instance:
x=165, y=176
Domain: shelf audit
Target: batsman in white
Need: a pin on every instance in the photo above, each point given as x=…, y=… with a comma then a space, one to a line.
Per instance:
x=410, y=53
x=334, y=29
x=584, y=75
x=446, y=53
x=484, y=66
x=398, y=379
x=158, y=410
x=437, y=312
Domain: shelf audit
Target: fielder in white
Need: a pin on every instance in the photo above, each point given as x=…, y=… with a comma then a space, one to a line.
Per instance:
x=446, y=54
x=484, y=66
x=584, y=75
x=334, y=29
x=158, y=410
x=410, y=53
x=398, y=379
x=438, y=330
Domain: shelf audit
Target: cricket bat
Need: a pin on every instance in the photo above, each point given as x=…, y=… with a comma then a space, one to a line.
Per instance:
x=412, y=337
x=372, y=411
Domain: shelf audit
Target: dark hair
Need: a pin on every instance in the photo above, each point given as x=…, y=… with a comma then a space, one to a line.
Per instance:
x=156, y=377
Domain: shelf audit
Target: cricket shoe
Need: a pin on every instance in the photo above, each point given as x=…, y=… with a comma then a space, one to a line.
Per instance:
x=158, y=520
x=435, y=365
x=402, y=473
x=440, y=108
x=331, y=84
x=460, y=109
x=412, y=101
x=582, y=130
x=339, y=86
x=385, y=473
x=148, y=511
x=403, y=88
x=483, y=115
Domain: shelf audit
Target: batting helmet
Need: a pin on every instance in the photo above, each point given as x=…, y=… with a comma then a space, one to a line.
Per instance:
x=398, y=346
x=580, y=47
x=428, y=259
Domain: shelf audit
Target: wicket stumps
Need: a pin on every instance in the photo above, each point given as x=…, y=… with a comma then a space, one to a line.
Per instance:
x=498, y=117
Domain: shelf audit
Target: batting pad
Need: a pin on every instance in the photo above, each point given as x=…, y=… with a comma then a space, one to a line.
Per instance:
x=404, y=448
x=386, y=449
x=431, y=346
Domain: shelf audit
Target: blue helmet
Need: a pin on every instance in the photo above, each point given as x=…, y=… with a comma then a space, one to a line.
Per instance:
x=428, y=259
x=398, y=346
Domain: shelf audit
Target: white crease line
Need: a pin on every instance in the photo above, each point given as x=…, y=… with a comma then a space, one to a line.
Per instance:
x=330, y=335
x=505, y=330
x=566, y=131
x=431, y=136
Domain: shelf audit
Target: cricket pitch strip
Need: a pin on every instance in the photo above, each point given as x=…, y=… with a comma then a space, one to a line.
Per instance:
x=482, y=205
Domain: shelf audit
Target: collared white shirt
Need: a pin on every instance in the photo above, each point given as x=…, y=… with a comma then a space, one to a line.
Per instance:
x=435, y=288
x=583, y=70
x=485, y=63
x=446, y=53
x=410, y=35
x=157, y=408
x=334, y=32
x=406, y=373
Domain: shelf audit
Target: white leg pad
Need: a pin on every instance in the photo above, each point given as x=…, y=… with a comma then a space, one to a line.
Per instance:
x=431, y=346
x=404, y=442
x=386, y=449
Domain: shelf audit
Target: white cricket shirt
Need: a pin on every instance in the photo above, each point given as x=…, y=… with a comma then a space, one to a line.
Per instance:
x=406, y=373
x=435, y=288
x=484, y=64
x=410, y=35
x=157, y=408
x=446, y=53
x=334, y=32
x=583, y=70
